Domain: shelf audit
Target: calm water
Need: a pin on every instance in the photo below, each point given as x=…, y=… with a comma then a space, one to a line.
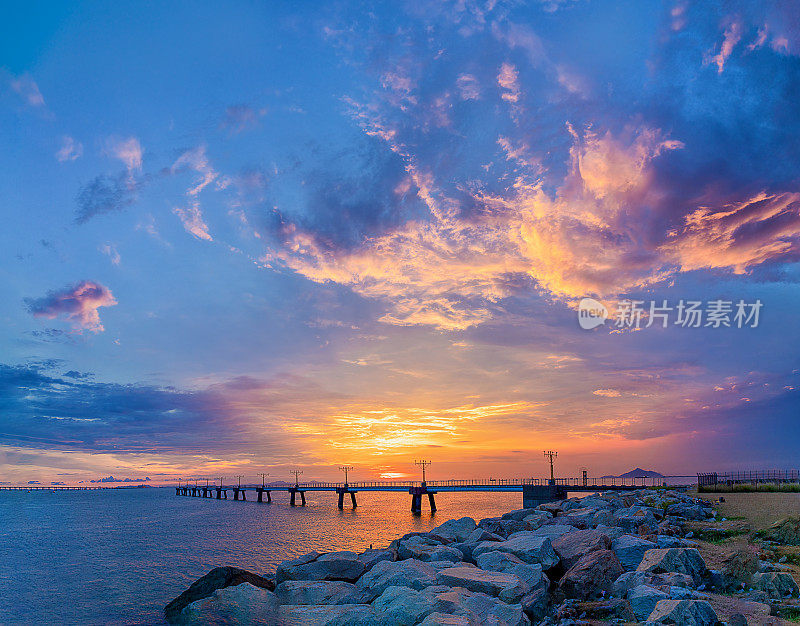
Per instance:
x=118, y=556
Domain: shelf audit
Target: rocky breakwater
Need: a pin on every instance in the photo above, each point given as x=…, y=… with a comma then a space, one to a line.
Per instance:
x=618, y=556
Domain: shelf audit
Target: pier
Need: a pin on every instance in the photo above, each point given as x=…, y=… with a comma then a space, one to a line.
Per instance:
x=46, y=488
x=534, y=490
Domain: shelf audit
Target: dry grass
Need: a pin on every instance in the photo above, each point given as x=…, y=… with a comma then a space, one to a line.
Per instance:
x=760, y=509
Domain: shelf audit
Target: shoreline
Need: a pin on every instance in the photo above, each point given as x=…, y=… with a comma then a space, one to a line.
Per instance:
x=616, y=556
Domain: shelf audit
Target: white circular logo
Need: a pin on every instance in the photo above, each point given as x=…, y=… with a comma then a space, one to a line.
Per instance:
x=591, y=313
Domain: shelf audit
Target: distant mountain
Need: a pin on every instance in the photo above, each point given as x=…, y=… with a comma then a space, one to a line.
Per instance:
x=637, y=473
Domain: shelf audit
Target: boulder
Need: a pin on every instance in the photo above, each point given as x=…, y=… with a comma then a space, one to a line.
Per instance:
x=692, y=511
x=330, y=615
x=318, y=592
x=443, y=619
x=527, y=547
x=217, y=578
x=536, y=519
x=530, y=574
x=236, y=604
x=775, y=584
x=507, y=587
x=426, y=548
x=683, y=612
x=403, y=605
x=667, y=541
x=456, y=529
x=344, y=565
x=629, y=580
x=606, y=610
x=536, y=603
x=681, y=560
x=482, y=608
x=632, y=519
x=630, y=550
x=592, y=575
x=409, y=573
x=554, y=530
x=372, y=556
x=643, y=599
x=572, y=546
x=580, y=518
x=520, y=514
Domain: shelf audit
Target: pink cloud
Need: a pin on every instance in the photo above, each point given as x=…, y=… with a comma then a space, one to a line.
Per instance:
x=78, y=304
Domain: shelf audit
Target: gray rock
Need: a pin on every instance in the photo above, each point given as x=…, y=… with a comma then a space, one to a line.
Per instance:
x=667, y=541
x=629, y=580
x=572, y=546
x=633, y=518
x=689, y=511
x=426, y=548
x=318, y=592
x=217, y=578
x=403, y=605
x=527, y=546
x=343, y=565
x=593, y=575
x=681, y=560
x=554, y=530
x=630, y=550
x=370, y=557
x=443, y=619
x=683, y=612
x=531, y=574
x=238, y=604
x=481, y=534
x=409, y=573
x=536, y=603
x=643, y=599
x=482, y=608
x=775, y=584
x=520, y=514
x=329, y=615
x=456, y=529
x=580, y=518
x=507, y=587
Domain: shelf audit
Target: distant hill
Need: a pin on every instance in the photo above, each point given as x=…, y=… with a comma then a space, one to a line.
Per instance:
x=637, y=473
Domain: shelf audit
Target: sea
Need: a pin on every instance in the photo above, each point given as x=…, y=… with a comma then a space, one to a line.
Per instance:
x=118, y=556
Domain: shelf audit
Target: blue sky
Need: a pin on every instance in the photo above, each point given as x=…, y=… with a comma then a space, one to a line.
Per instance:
x=255, y=236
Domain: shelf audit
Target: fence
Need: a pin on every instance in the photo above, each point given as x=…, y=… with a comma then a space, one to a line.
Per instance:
x=755, y=477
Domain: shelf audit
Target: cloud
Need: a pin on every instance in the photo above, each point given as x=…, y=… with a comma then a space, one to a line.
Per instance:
x=70, y=149
x=78, y=304
x=27, y=88
x=241, y=117
x=191, y=216
x=128, y=150
x=106, y=194
x=731, y=37
x=111, y=252
x=508, y=79
x=468, y=87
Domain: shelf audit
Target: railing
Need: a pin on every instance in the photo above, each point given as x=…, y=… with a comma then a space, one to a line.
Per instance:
x=473, y=482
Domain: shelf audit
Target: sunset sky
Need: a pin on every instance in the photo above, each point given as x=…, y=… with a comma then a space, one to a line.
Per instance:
x=246, y=237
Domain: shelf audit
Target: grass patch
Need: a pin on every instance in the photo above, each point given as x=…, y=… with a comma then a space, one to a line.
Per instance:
x=751, y=488
x=718, y=535
x=790, y=613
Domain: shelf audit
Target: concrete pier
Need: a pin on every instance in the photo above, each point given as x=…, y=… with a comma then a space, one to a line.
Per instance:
x=237, y=491
x=534, y=495
x=342, y=491
x=294, y=491
x=261, y=491
x=416, y=498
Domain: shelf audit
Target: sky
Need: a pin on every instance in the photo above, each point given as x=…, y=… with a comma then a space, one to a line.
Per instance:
x=253, y=237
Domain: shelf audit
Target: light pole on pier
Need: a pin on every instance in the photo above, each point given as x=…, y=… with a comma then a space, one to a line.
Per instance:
x=297, y=474
x=423, y=464
x=219, y=478
x=551, y=454
x=263, y=480
x=345, y=469
x=206, y=483
x=239, y=478
x=585, y=475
